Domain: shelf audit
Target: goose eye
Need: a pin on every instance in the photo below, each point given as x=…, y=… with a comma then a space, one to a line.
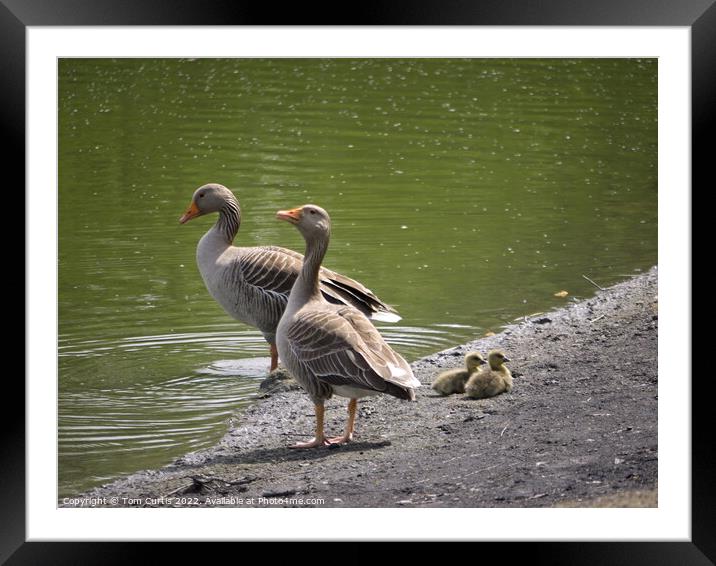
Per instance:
x=312, y=211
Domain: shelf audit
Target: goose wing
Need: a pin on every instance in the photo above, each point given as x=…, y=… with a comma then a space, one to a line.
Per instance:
x=339, y=345
x=338, y=288
x=273, y=269
x=341, y=290
x=270, y=269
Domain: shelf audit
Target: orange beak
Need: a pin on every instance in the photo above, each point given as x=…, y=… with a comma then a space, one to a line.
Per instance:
x=191, y=212
x=292, y=216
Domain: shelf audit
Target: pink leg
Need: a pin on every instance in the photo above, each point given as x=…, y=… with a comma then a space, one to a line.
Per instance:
x=348, y=435
x=320, y=438
x=274, y=357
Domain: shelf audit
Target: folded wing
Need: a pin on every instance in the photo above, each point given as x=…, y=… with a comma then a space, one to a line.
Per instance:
x=340, y=346
x=273, y=270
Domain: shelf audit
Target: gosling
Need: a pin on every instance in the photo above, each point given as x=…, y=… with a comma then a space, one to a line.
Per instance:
x=490, y=380
x=453, y=380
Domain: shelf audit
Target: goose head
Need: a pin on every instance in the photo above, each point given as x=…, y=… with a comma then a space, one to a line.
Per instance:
x=207, y=198
x=496, y=358
x=312, y=221
x=473, y=360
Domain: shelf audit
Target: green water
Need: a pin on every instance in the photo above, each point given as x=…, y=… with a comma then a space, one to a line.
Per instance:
x=464, y=192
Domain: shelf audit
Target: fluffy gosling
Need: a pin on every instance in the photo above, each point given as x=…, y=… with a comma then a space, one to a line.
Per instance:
x=491, y=380
x=453, y=380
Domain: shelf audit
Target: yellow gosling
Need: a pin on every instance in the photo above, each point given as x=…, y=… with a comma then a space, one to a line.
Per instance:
x=492, y=379
x=453, y=380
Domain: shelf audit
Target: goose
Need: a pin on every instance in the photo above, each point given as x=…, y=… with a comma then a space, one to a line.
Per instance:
x=329, y=348
x=252, y=284
x=453, y=380
x=490, y=380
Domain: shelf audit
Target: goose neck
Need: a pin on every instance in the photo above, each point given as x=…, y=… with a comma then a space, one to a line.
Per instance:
x=307, y=285
x=229, y=220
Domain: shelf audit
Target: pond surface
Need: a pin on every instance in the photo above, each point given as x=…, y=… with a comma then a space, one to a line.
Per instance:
x=466, y=193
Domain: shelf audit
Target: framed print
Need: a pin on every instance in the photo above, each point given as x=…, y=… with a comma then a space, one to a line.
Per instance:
x=523, y=157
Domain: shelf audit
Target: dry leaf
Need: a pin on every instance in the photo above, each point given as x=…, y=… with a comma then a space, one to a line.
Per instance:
x=561, y=294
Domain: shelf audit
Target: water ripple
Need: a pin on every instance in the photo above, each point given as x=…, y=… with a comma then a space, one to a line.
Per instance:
x=127, y=409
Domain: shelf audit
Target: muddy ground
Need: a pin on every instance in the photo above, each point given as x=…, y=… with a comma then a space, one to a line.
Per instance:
x=579, y=428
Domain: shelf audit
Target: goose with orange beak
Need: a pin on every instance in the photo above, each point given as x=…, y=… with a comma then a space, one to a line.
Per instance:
x=252, y=284
x=333, y=349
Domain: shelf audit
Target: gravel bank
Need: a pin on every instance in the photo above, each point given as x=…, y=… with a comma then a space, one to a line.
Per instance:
x=579, y=428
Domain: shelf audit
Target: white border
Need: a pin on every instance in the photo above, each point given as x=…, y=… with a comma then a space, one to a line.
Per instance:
x=671, y=521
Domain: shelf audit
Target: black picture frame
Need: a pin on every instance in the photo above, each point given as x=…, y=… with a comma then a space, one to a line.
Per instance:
x=17, y=15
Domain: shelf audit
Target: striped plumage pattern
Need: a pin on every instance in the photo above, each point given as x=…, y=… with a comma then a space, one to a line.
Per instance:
x=333, y=346
x=259, y=280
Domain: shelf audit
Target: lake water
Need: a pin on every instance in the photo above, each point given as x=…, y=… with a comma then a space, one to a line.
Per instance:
x=466, y=193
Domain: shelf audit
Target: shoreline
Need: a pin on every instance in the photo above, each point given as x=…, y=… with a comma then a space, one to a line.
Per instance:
x=578, y=429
